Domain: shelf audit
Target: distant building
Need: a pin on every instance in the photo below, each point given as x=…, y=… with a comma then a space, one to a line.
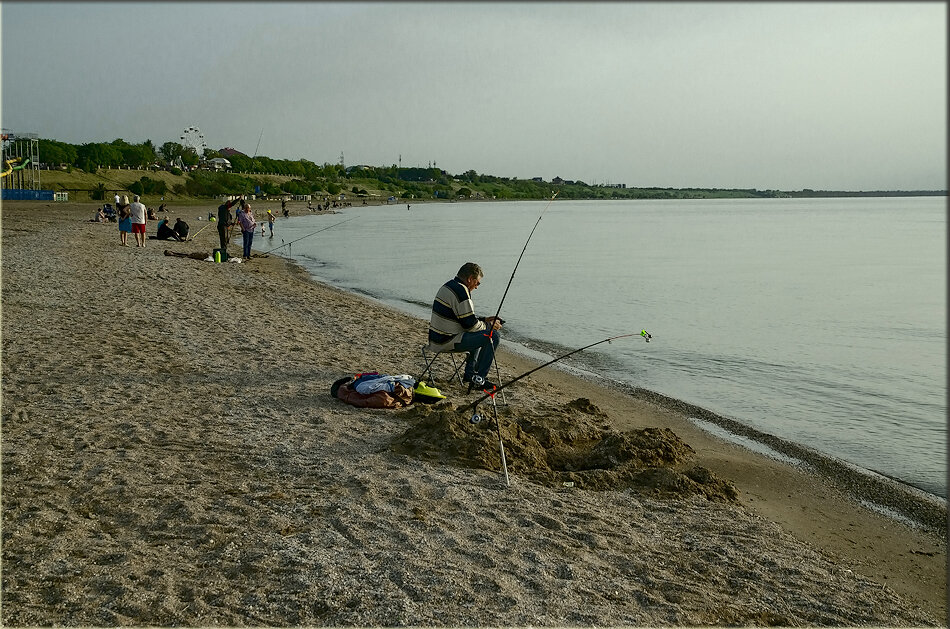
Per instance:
x=538, y=179
x=219, y=163
x=230, y=152
x=350, y=169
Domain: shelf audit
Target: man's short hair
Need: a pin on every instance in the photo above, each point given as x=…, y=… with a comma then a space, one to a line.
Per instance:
x=135, y=198
x=470, y=269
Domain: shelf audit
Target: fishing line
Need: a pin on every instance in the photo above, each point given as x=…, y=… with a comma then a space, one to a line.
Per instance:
x=287, y=244
x=474, y=405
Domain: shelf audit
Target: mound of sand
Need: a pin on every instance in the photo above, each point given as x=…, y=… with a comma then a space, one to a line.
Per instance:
x=553, y=445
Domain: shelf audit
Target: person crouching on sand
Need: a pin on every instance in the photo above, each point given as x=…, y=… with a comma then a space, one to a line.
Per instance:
x=181, y=228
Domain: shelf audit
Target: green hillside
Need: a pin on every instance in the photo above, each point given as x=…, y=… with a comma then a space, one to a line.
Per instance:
x=200, y=186
x=375, y=184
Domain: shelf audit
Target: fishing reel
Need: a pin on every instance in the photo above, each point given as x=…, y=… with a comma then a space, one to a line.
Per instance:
x=476, y=418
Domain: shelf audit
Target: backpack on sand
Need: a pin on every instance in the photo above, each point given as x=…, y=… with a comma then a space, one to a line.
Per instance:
x=374, y=390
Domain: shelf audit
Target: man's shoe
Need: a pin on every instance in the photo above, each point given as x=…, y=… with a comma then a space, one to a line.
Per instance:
x=477, y=383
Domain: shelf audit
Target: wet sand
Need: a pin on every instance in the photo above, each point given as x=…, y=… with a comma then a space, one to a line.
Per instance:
x=172, y=456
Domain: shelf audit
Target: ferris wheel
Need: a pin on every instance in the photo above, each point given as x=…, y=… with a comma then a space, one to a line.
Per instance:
x=193, y=138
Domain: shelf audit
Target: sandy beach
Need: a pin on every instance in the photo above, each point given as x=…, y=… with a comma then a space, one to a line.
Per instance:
x=172, y=456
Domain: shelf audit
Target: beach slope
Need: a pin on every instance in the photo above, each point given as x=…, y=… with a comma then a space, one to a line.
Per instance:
x=172, y=456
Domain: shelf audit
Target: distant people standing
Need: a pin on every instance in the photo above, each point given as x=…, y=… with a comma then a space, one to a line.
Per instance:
x=125, y=218
x=224, y=225
x=237, y=218
x=248, y=227
x=271, y=219
x=283, y=206
x=138, y=221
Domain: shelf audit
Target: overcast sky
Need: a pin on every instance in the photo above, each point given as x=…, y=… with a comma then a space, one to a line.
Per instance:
x=843, y=96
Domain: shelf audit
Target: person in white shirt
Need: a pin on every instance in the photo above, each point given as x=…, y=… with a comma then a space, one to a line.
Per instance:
x=138, y=221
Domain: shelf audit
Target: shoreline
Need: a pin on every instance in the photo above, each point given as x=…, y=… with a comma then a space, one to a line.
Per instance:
x=182, y=456
x=923, y=508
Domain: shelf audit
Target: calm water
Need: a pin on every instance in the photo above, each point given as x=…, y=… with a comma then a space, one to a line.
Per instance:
x=822, y=321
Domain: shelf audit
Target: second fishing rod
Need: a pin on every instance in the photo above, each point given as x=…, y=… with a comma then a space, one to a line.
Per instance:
x=491, y=345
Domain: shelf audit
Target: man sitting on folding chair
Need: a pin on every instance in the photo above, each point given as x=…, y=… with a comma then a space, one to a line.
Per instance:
x=455, y=328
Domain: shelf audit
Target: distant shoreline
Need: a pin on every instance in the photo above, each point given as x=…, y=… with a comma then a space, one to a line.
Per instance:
x=376, y=188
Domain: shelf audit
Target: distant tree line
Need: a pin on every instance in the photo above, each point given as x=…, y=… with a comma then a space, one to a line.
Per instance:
x=307, y=177
x=94, y=155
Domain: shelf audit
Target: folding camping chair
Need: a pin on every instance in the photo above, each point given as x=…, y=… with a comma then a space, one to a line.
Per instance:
x=428, y=362
x=457, y=366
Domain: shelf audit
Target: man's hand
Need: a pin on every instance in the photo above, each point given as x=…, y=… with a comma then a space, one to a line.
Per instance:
x=494, y=322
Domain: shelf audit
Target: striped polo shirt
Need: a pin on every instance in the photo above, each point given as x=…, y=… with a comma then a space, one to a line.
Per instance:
x=453, y=313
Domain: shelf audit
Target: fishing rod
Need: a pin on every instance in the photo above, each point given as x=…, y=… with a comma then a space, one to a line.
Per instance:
x=515, y=270
x=501, y=444
x=211, y=219
x=259, y=142
x=200, y=230
x=476, y=417
x=496, y=318
x=286, y=244
x=490, y=328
